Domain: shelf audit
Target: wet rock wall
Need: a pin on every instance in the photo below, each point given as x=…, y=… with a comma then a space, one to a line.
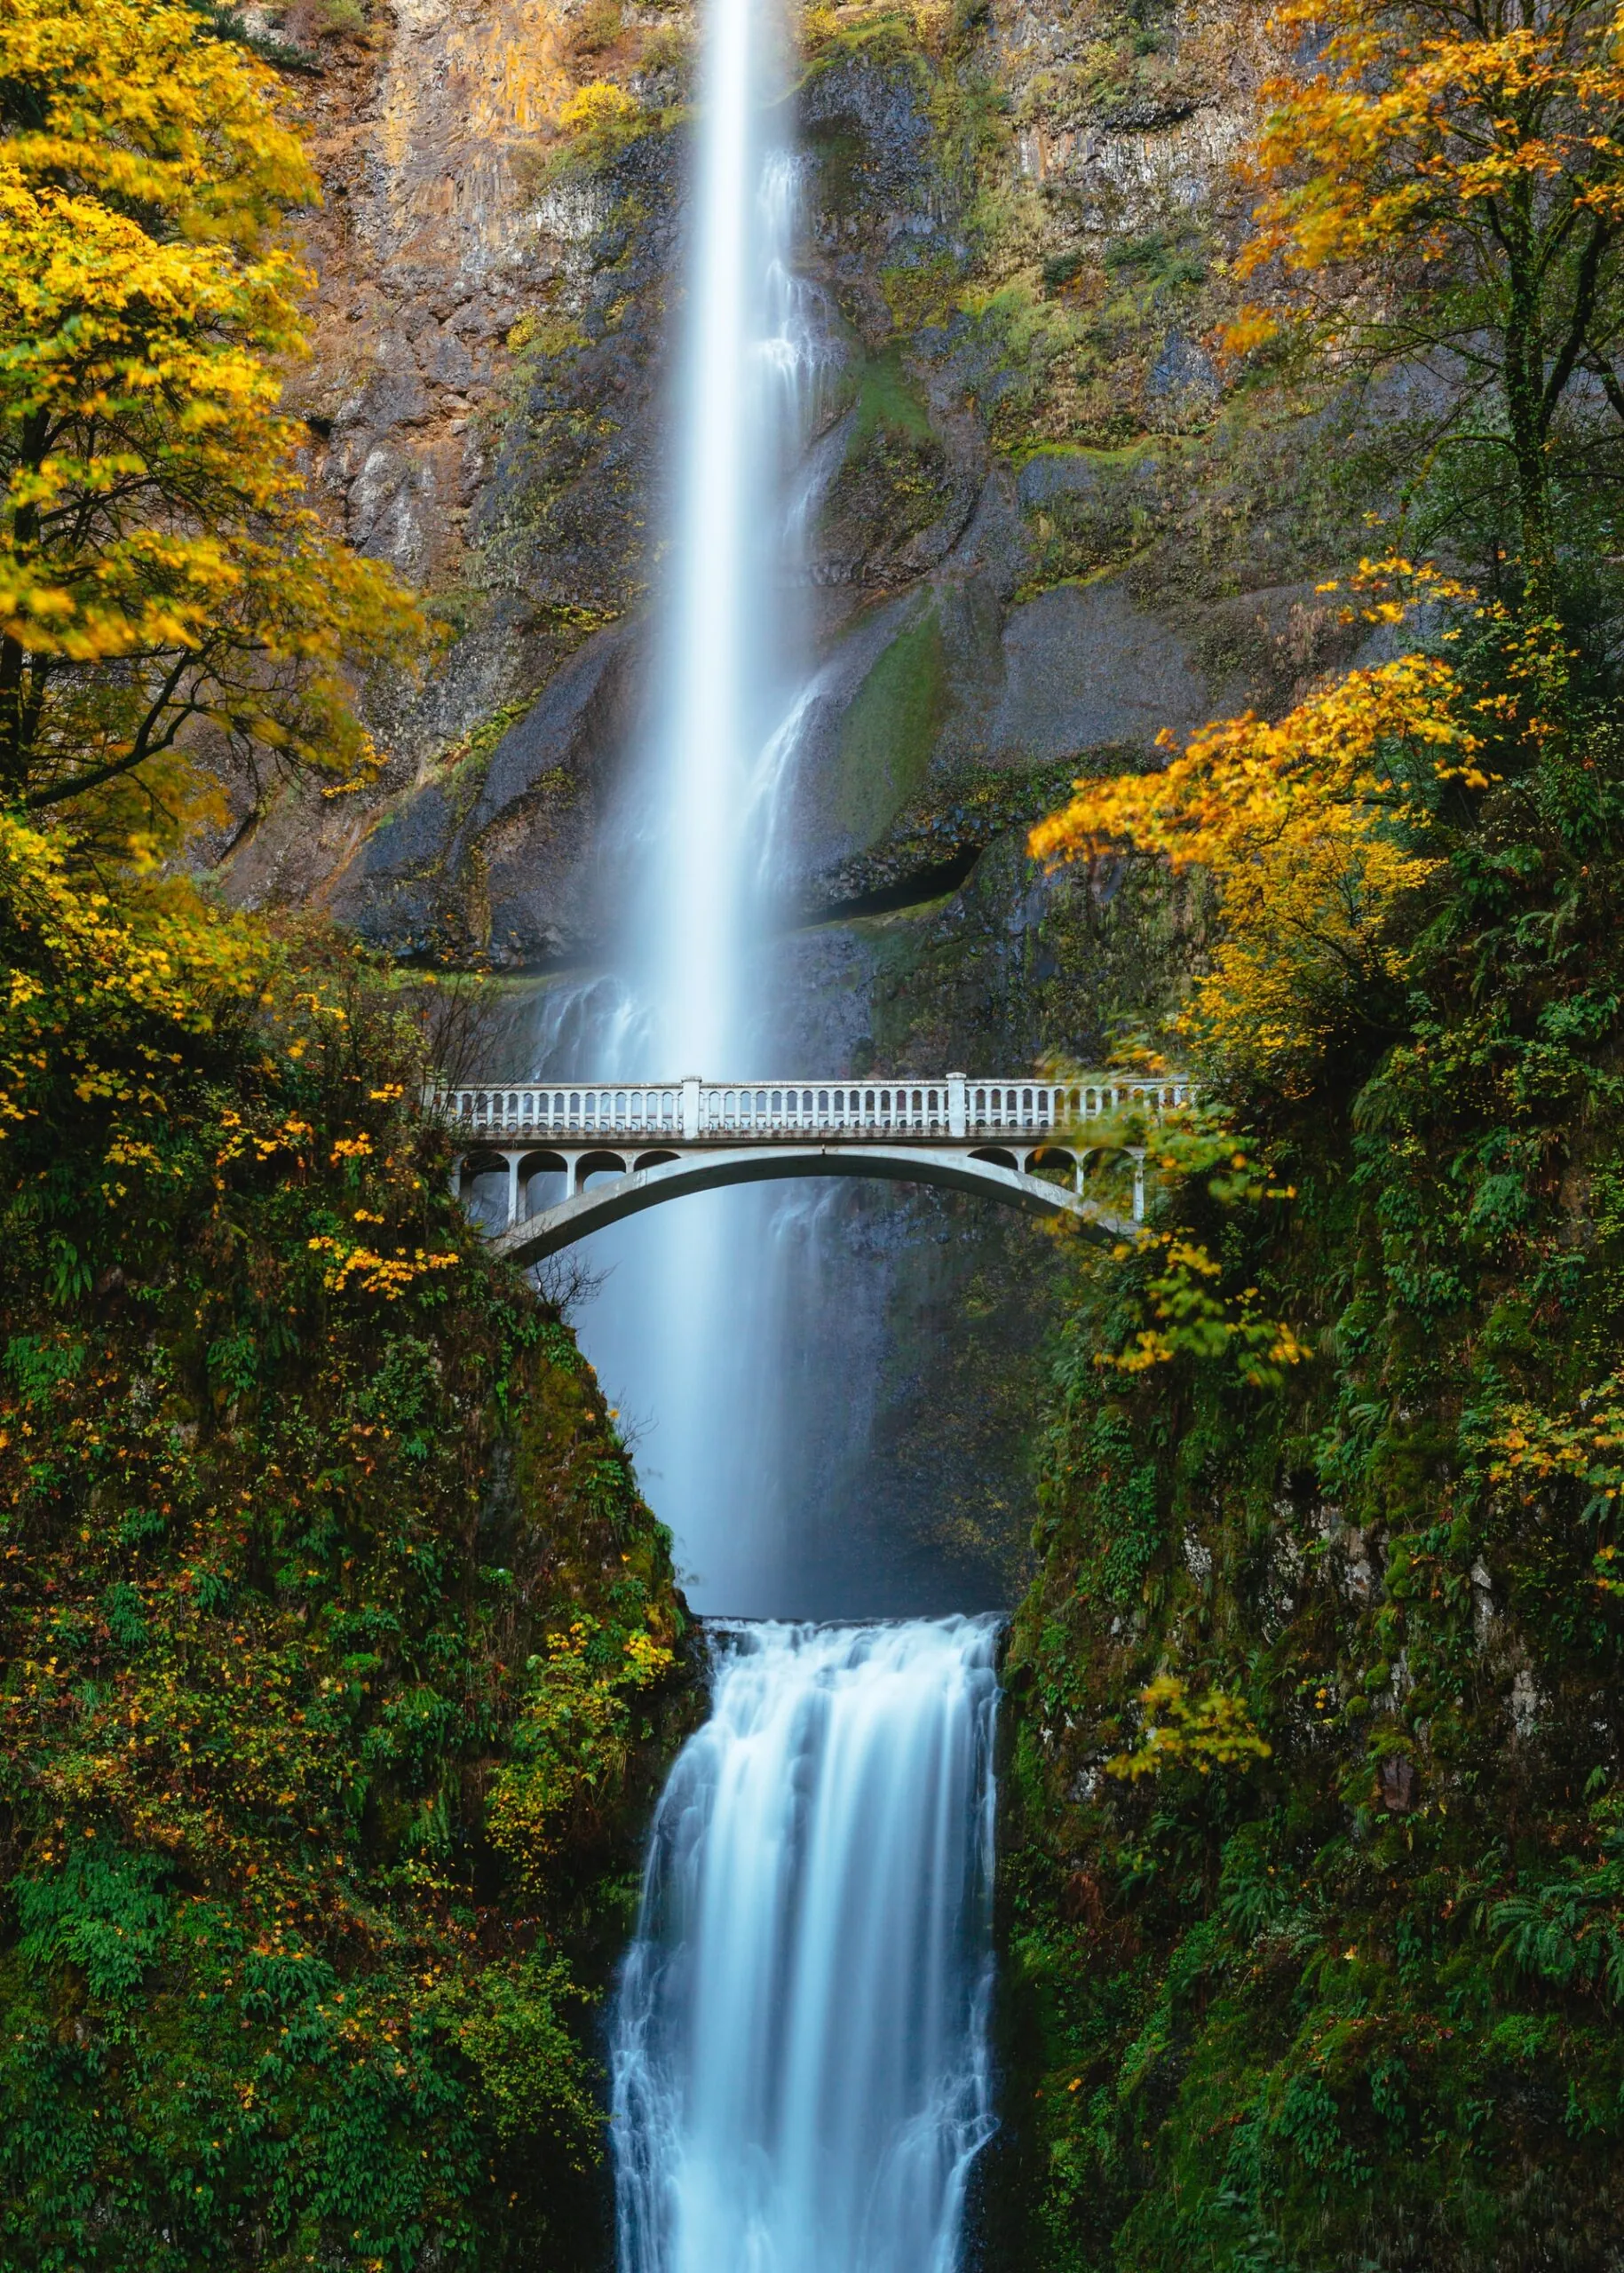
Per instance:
x=1045, y=523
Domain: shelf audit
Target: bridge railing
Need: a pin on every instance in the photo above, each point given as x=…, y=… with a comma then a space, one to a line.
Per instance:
x=956, y=1106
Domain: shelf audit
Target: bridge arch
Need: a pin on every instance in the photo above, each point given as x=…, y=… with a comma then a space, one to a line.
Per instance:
x=662, y=1178
x=601, y=1163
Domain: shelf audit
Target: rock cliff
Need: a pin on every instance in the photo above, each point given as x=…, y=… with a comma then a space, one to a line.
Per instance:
x=1041, y=528
x=1043, y=524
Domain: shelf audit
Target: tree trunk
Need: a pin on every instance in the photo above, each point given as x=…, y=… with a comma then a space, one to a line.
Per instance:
x=1523, y=380
x=19, y=694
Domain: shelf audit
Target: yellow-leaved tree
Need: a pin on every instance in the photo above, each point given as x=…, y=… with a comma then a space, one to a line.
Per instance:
x=1445, y=183
x=1313, y=833
x=158, y=565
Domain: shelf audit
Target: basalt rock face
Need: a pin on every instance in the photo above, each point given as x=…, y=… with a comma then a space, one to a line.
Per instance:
x=1038, y=531
x=485, y=414
x=1042, y=525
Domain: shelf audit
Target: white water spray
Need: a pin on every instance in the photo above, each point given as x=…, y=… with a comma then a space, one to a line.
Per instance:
x=800, y=2066
x=800, y=2062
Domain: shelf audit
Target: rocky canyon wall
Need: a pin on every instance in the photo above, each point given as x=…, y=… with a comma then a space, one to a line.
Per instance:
x=1042, y=530
x=1044, y=523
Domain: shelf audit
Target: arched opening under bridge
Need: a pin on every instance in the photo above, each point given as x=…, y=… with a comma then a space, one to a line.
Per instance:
x=1041, y=1180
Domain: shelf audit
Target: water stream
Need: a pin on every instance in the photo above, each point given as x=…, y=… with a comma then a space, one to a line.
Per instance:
x=800, y=2062
x=799, y=2056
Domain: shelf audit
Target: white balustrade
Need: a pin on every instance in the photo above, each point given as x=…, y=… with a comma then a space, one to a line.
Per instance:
x=953, y=1106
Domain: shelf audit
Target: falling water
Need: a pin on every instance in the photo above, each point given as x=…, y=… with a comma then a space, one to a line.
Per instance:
x=712, y=665
x=800, y=2068
x=690, y=1343
x=800, y=2065
x=751, y=369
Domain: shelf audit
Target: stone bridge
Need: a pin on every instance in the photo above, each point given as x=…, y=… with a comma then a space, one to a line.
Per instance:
x=575, y=1156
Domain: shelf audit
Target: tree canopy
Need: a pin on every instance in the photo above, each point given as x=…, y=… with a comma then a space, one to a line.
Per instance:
x=1444, y=184
x=160, y=571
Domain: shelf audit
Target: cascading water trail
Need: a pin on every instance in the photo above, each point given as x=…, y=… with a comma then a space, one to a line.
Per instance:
x=749, y=370
x=800, y=2064
x=712, y=661
x=688, y=1340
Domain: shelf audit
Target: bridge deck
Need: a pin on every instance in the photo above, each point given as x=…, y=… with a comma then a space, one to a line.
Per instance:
x=620, y=1147
x=956, y=1106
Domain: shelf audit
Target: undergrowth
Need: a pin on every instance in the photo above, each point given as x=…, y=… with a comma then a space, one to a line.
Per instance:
x=339, y=1647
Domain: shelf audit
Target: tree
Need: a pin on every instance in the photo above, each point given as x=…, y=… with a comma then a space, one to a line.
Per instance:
x=159, y=568
x=1314, y=832
x=1449, y=177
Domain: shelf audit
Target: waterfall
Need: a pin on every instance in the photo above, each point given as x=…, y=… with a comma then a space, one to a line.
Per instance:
x=799, y=2064
x=714, y=660
x=800, y=2067
x=691, y=1346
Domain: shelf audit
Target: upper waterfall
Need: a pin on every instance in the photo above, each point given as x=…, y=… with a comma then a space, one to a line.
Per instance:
x=718, y=766
x=749, y=354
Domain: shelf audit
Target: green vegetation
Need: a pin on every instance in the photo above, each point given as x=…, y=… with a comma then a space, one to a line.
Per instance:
x=889, y=730
x=886, y=403
x=474, y=750
x=336, y=1633
x=1314, y=1874
x=1355, y=2002
x=339, y=1652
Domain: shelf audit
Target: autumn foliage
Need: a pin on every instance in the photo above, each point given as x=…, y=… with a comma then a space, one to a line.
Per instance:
x=1312, y=840
x=1322, y=1903
x=1444, y=187
x=1313, y=833
x=287, y=1679
x=163, y=582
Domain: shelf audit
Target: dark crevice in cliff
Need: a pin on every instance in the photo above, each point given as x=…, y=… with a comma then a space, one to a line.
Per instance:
x=917, y=888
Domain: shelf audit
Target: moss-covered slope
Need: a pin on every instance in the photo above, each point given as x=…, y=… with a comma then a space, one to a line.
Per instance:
x=1314, y=1864
x=340, y=1653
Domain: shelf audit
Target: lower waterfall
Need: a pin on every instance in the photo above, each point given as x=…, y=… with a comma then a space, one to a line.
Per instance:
x=801, y=2073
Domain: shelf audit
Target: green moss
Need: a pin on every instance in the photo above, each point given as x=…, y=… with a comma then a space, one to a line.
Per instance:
x=1157, y=259
x=1357, y=2003
x=889, y=730
x=922, y=292
x=304, y=1564
x=887, y=36
x=471, y=753
x=1126, y=456
x=888, y=404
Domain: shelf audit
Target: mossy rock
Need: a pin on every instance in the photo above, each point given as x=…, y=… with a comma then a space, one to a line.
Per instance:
x=889, y=730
